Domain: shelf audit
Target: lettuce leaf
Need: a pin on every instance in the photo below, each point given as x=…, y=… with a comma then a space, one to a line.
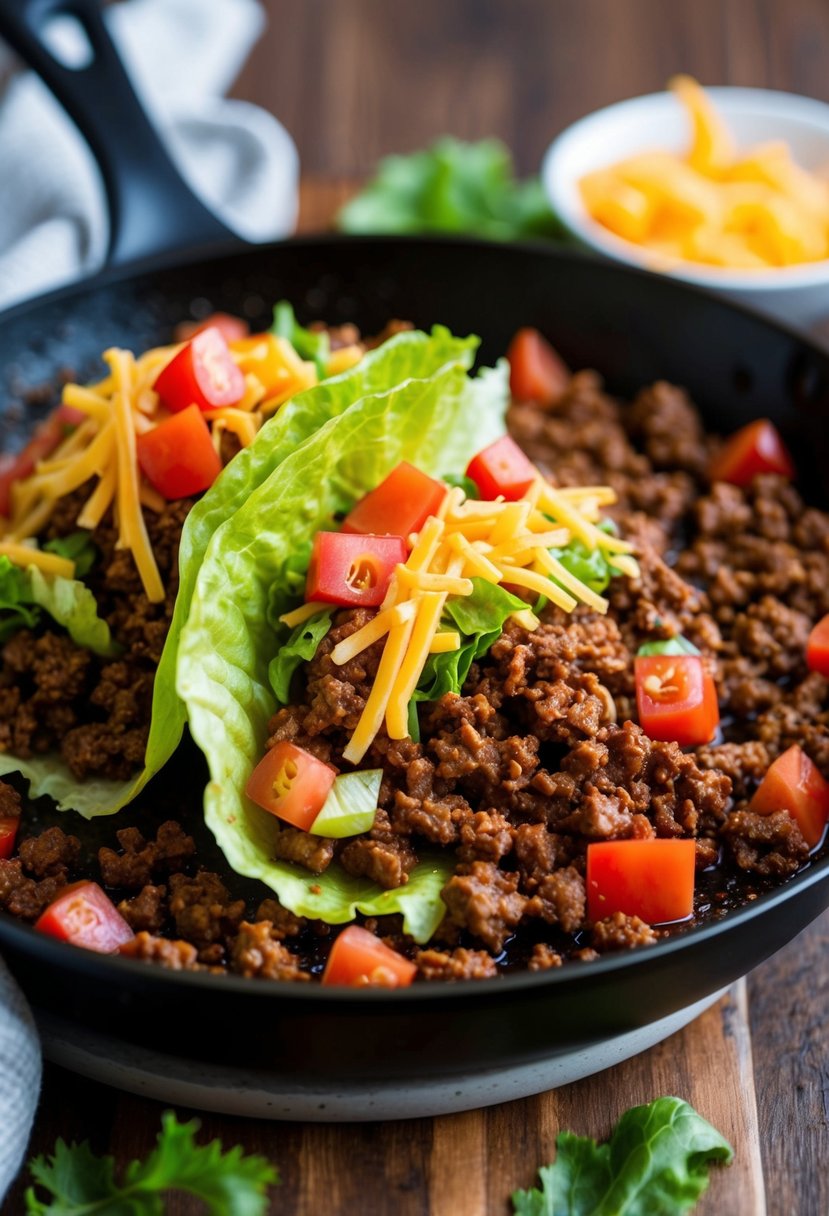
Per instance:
x=299, y=647
x=78, y=547
x=398, y=359
x=70, y=602
x=656, y=1163
x=314, y=345
x=436, y=421
x=453, y=186
x=479, y=618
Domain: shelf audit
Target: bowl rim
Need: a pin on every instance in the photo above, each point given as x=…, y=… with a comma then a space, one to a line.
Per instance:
x=560, y=189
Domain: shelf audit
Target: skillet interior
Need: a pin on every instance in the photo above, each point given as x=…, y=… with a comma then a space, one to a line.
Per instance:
x=632, y=327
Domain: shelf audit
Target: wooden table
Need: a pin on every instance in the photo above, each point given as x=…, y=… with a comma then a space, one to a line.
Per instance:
x=353, y=81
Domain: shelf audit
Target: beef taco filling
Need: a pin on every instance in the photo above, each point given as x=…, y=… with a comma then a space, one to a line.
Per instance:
x=470, y=701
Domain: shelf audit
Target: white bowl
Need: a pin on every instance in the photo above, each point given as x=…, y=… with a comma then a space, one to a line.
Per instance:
x=796, y=294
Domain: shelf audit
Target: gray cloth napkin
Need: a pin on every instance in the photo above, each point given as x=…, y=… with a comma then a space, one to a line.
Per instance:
x=19, y=1078
x=182, y=56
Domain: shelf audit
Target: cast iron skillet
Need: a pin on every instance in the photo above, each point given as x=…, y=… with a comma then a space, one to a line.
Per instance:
x=634, y=328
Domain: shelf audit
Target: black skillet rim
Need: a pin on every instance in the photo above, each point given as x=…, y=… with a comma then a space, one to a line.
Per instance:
x=24, y=937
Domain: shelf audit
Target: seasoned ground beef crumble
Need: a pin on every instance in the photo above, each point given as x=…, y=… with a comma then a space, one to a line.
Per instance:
x=539, y=756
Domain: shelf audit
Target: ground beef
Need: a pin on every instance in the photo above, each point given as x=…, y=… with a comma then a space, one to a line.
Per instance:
x=284, y=923
x=620, y=932
x=460, y=964
x=202, y=909
x=386, y=861
x=314, y=853
x=25, y=897
x=765, y=844
x=175, y=955
x=51, y=854
x=140, y=859
x=146, y=911
x=257, y=953
x=486, y=901
x=55, y=695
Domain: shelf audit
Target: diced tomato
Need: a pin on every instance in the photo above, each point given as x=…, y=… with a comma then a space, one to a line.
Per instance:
x=358, y=959
x=8, y=834
x=536, y=371
x=794, y=784
x=46, y=436
x=756, y=448
x=502, y=468
x=178, y=455
x=291, y=783
x=676, y=698
x=85, y=916
x=651, y=879
x=231, y=328
x=203, y=373
x=817, y=648
x=400, y=505
x=348, y=568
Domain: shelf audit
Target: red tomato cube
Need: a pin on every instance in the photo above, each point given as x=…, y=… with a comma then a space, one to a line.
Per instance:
x=351, y=569
x=203, y=373
x=291, y=783
x=817, y=649
x=8, y=834
x=502, y=469
x=676, y=699
x=231, y=328
x=85, y=916
x=178, y=456
x=536, y=371
x=358, y=959
x=794, y=784
x=400, y=505
x=756, y=448
x=651, y=879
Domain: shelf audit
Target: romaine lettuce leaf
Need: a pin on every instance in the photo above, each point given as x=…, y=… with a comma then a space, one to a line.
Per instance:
x=405, y=355
x=656, y=1163
x=437, y=421
x=70, y=602
x=314, y=345
x=299, y=647
x=479, y=618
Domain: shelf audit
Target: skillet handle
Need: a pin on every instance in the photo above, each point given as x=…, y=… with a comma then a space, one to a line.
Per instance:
x=152, y=209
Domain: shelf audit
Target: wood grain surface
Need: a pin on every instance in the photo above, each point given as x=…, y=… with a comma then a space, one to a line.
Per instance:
x=353, y=80
x=460, y=1165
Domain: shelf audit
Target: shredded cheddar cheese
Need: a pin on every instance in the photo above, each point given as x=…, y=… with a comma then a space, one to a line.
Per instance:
x=101, y=449
x=500, y=542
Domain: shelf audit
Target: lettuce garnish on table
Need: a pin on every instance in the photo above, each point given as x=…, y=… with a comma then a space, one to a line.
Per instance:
x=421, y=406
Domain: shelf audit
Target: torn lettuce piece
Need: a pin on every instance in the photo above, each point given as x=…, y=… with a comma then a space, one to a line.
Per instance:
x=310, y=344
x=70, y=602
x=299, y=647
x=480, y=619
x=78, y=547
x=351, y=805
x=656, y=1163
x=436, y=421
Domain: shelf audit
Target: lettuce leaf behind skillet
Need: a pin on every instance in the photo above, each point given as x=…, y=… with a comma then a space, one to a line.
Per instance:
x=405, y=355
x=436, y=422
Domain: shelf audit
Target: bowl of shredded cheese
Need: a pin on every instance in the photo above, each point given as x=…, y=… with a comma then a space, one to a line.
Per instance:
x=727, y=188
